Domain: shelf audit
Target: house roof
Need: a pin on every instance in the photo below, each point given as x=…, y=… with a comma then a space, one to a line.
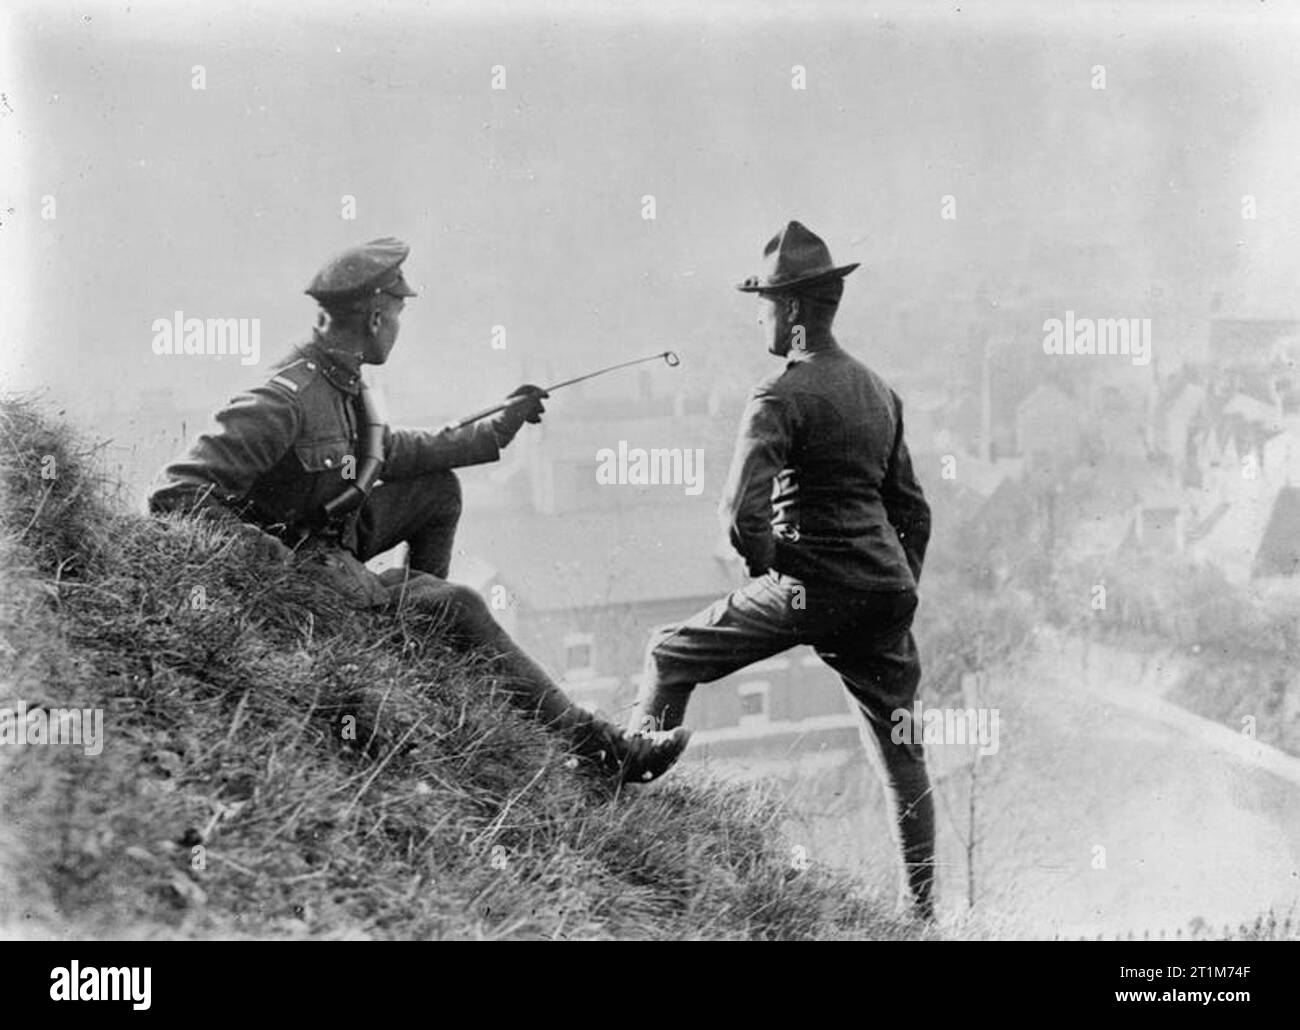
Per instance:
x=1002, y=522
x=1279, y=550
x=1253, y=410
x=1234, y=539
x=1205, y=526
x=614, y=556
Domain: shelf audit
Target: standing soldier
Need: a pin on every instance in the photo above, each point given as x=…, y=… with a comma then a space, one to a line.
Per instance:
x=822, y=504
x=297, y=464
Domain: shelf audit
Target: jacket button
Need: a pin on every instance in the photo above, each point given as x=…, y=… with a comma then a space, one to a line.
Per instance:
x=329, y=462
x=311, y=366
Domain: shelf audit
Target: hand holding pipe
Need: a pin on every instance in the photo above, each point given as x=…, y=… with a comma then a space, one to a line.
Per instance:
x=670, y=357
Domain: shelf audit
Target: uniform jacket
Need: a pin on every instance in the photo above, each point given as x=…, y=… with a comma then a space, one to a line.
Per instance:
x=280, y=451
x=821, y=486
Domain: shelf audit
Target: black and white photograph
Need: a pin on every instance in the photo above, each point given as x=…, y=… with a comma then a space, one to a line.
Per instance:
x=800, y=471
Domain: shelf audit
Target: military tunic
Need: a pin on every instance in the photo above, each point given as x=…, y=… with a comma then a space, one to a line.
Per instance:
x=821, y=486
x=281, y=450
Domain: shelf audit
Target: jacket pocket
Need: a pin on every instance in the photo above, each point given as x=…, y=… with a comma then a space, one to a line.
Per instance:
x=325, y=455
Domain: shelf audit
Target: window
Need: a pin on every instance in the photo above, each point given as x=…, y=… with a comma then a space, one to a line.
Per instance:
x=753, y=702
x=579, y=656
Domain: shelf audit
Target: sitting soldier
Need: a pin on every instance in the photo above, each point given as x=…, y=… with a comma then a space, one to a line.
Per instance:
x=297, y=463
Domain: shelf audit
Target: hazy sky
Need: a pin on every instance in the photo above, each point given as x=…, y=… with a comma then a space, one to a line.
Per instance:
x=523, y=206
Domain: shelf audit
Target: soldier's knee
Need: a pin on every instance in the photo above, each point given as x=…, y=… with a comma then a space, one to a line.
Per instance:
x=660, y=637
x=662, y=659
x=658, y=648
x=468, y=603
x=445, y=485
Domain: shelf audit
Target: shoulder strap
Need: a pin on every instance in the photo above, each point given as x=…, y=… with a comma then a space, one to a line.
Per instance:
x=294, y=377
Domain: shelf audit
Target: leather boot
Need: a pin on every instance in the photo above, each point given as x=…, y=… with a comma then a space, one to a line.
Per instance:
x=633, y=757
x=651, y=754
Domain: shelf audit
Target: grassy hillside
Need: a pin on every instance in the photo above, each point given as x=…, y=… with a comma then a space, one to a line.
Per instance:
x=274, y=764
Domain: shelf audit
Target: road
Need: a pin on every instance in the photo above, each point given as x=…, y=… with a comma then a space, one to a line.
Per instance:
x=1196, y=823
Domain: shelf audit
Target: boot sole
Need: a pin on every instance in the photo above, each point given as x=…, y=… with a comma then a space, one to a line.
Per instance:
x=667, y=758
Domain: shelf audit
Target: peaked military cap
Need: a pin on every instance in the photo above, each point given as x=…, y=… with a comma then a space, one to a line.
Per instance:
x=796, y=256
x=359, y=272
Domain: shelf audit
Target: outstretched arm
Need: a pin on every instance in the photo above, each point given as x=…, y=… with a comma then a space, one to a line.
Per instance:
x=413, y=452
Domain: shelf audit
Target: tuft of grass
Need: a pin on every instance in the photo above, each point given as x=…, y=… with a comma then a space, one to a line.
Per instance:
x=277, y=764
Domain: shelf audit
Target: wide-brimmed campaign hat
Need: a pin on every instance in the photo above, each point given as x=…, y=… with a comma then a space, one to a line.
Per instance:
x=795, y=257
